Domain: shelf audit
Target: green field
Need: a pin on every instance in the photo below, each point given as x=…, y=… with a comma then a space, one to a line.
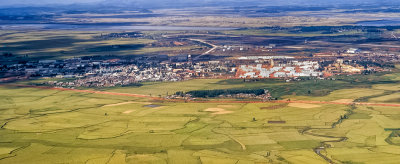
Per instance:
x=359, y=86
x=68, y=44
x=286, y=33
x=50, y=126
x=46, y=124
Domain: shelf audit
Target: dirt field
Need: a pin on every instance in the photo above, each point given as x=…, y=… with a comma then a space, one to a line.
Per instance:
x=128, y=111
x=218, y=111
x=123, y=103
x=344, y=101
x=304, y=106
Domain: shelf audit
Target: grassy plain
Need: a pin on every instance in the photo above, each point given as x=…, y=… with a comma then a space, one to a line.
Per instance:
x=49, y=126
x=44, y=124
x=358, y=86
x=68, y=44
x=256, y=32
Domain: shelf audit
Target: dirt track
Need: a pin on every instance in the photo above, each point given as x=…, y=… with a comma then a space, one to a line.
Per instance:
x=205, y=101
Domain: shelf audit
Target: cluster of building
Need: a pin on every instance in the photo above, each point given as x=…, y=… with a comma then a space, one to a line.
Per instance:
x=131, y=74
x=258, y=58
x=121, y=35
x=290, y=69
x=266, y=96
x=119, y=76
x=108, y=71
x=340, y=67
x=230, y=48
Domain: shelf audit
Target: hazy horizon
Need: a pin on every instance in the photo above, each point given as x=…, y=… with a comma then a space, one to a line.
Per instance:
x=170, y=3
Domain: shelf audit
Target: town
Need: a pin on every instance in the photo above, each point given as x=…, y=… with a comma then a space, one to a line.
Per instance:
x=109, y=71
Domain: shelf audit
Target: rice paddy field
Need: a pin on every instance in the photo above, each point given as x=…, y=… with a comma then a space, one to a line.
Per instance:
x=55, y=126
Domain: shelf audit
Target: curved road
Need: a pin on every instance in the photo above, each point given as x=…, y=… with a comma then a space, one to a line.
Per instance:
x=214, y=47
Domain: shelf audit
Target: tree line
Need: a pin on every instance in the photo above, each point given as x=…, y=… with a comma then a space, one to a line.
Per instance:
x=218, y=92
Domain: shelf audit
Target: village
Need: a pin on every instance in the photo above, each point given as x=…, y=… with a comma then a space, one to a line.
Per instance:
x=110, y=71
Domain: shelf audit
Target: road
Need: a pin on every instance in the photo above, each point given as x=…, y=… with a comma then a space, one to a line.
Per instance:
x=394, y=36
x=214, y=47
x=203, y=100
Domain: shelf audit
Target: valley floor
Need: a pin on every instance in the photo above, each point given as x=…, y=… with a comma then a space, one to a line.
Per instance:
x=41, y=125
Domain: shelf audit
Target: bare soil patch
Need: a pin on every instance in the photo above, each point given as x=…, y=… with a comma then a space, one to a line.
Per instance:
x=303, y=105
x=123, y=103
x=274, y=107
x=344, y=101
x=128, y=111
x=218, y=111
